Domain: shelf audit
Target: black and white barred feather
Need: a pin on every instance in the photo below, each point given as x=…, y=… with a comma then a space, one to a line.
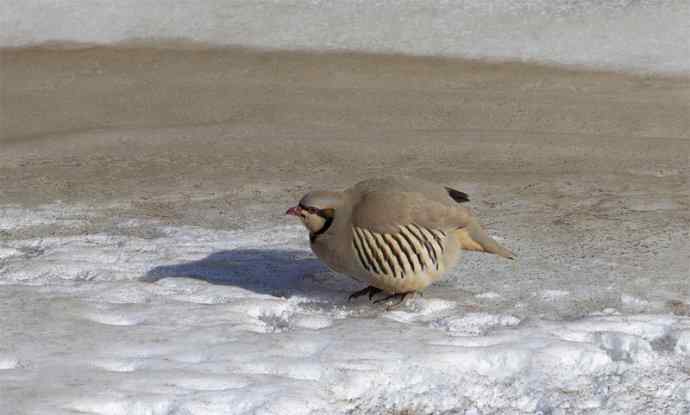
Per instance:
x=411, y=250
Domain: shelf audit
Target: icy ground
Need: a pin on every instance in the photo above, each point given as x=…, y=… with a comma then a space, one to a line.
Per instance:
x=152, y=319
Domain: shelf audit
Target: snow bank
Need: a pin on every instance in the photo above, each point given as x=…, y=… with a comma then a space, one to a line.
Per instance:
x=202, y=322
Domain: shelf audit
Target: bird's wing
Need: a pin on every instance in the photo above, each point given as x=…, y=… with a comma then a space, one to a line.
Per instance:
x=387, y=211
x=400, y=232
x=426, y=190
x=427, y=220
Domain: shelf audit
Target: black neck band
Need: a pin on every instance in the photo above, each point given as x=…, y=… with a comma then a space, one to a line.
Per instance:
x=324, y=228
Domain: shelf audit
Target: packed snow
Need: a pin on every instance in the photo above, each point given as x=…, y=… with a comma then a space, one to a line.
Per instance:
x=198, y=321
x=638, y=35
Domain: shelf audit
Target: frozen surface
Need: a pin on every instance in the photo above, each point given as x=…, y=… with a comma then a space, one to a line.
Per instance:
x=198, y=321
x=646, y=35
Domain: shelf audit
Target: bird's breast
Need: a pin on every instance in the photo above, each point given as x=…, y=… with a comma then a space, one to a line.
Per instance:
x=328, y=251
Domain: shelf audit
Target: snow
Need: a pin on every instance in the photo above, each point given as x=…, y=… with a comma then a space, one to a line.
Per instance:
x=646, y=35
x=553, y=295
x=476, y=323
x=490, y=295
x=8, y=362
x=683, y=342
x=202, y=321
x=14, y=216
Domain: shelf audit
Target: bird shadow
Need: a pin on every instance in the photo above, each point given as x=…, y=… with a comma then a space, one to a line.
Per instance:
x=280, y=273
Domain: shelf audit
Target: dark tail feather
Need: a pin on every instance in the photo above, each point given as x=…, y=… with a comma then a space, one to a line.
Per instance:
x=458, y=196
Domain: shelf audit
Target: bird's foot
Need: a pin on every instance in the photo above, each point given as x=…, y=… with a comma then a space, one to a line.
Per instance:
x=371, y=290
x=398, y=296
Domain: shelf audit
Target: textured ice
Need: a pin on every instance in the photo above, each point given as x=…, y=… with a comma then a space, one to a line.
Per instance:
x=57, y=213
x=553, y=295
x=202, y=321
x=647, y=35
x=490, y=295
x=8, y=252
x=476, y=323
x=8, y=362
x=683, y=342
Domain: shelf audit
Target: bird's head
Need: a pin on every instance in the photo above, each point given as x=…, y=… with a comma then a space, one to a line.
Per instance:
x=316, y=210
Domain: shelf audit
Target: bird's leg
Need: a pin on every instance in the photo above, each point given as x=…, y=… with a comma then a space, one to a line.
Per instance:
x=399, y=296
x=371, y=290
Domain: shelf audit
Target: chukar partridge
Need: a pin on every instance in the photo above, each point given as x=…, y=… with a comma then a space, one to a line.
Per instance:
x=396, y=234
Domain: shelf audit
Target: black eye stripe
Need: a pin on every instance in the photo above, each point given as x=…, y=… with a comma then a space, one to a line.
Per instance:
x=311, y=209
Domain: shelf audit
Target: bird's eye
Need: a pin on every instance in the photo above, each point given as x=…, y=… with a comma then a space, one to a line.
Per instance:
x=312, y=210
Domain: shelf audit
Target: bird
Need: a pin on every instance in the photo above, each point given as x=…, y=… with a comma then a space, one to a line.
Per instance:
x=397, y=234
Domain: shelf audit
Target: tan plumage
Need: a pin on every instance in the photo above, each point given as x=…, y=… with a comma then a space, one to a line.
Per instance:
x=397, y=234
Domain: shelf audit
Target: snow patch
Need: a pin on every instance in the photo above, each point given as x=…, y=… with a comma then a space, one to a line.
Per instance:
x=634, y=304
x=209, y=383
x=624, y=347
x=683, y=342
x=215, y=322
x=421, y=310
x=313, y=322
x=474, y=324
x=490, y=295
x=9, y=252
x=647, y=327
x=12, y=217
x=118, y=365
x=114, y=319
x=125, y=405
x=8, y=362
x=553, y=295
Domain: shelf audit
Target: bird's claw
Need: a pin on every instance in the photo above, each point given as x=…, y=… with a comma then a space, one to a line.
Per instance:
x=371, y=290
x=399, y=296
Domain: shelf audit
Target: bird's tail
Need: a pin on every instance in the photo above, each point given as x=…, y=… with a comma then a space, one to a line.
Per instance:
x=474, y=238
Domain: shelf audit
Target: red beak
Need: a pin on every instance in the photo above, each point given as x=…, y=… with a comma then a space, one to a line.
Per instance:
x=294, y=211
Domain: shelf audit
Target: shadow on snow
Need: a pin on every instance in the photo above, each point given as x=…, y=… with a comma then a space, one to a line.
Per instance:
x=274, y=272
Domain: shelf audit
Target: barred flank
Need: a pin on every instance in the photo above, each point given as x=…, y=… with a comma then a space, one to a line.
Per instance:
x=410, y=250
